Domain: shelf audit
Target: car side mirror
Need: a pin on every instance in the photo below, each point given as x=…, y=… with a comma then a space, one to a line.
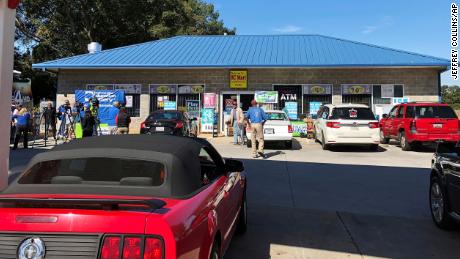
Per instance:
x=232, y=165
x=385, y=116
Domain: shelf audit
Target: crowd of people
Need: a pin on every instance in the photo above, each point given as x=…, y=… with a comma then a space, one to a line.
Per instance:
x=66, y=121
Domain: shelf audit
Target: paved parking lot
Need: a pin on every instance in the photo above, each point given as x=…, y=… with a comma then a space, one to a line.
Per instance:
x=345, y=203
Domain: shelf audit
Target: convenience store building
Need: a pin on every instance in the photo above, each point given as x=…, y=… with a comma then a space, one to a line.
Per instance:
x=304, y=69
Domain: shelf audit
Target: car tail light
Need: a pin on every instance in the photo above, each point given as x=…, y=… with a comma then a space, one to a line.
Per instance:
x=143, y=125
x=333, y=124
x=153, y=248
x=132, y=248
x=373, y=125
x=111, y=248
x=413, y=127
x=179, y=125
x=290, y=130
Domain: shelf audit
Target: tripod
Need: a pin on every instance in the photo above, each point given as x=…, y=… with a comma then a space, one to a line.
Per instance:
x=37, y=126
x=97, y=125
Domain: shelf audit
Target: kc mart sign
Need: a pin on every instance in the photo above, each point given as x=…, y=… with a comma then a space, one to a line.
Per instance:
x=238, y=79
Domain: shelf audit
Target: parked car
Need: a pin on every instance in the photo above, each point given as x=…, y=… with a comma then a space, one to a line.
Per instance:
x=445, y=186
x=169, y=122
x=277, y=128
x=350, y=124
x=130, y=196
x=415, y=123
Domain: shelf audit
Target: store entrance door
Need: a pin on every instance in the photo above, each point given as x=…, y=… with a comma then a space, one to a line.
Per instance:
x=243, y=98
x=245, y=101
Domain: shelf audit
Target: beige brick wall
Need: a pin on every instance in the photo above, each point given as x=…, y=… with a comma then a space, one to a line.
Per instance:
x=420, y=84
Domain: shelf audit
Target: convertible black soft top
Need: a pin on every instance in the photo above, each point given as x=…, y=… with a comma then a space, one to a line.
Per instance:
x=179, y=155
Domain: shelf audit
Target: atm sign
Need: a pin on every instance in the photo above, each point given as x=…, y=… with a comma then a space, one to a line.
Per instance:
x=239, y=79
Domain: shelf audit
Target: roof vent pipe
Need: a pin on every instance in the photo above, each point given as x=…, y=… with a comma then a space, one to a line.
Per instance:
x=94, y=47
x=225, y=34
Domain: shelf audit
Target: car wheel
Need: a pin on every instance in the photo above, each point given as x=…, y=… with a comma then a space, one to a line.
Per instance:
x=439, y=206
x=374, y=147
x=383, y=139
x=243, y=217
x=323, y=142
x=248, y=144
x=214, y=251
x=288, y=144
x=405, y=145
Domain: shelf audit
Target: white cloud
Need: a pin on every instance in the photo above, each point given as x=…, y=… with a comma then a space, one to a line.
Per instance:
x=384, y=21
x=288, y=29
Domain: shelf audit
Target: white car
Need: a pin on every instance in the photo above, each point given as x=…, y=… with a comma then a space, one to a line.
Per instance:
x=277, y=128
x=350, y=124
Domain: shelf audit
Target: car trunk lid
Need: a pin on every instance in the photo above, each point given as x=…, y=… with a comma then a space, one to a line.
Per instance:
x=276, y=127
x=436, y=125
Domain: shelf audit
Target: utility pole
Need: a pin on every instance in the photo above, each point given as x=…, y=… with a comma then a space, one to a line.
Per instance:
x=7, y=18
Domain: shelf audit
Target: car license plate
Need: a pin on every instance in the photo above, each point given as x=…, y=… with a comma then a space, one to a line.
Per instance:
x=437, y=126
x=269, y=131
x=354, y=128
x=160, y=128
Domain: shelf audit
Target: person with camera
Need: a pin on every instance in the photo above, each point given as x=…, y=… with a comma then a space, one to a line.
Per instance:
x=65, y=116
x=22, y=124
x=50, y=117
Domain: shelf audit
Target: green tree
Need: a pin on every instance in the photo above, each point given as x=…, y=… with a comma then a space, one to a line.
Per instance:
x=451, y=95
x=51, y=29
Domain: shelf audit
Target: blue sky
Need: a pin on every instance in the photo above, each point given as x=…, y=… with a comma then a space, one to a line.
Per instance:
x=421, y=26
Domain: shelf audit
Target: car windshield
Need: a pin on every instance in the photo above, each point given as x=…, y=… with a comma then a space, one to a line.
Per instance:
x=435, y=112
x=276, y=116
x=164, y=116
x=96, y=171
x=352, y=113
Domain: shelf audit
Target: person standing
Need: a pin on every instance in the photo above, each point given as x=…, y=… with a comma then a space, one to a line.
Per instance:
x=257, y=118
x=123, y=120
x=87, y=123
x=22, y=126
x=114, y=110
x=236, y=120
x=50, y=120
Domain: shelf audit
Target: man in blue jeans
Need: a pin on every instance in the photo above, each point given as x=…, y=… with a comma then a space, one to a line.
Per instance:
x=236, y=120
x=257, y=118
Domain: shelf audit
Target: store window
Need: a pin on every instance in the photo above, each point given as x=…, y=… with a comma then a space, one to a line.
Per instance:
x=161, y=93
x=189, y=93
x=315, y=95
x=357, y=93
x=383, y=94
x=288, y=93
x=132, y=98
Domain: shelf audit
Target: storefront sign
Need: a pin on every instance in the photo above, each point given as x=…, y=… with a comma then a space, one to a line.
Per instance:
x=129, y=88
x=317, y=89
x=266, y=96
x=162, y=89
x=106, y=99
x=209, y=100
x=395, y=101
x=99, y=87
x=348, y=89
x=169, y=105
x=291, y=109
x=191, y=89
x=193, y=108
x=314, y=107
x=388, y=91
x=207, y=120
x=288, y=97
x=239, y=79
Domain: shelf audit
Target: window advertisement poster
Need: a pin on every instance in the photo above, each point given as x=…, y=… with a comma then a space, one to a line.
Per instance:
x=193, y=108
x=314, y=107
x=207, y=119
x=191, y=89
x=291, y=108
x=238, y=79
x=388, y=91
x=129, y=88
x=299, y=128
x=317, y=89
x=162, y=89
x=209, y=100
x=99, y=87
x=129, y=101
x=169, y=105
x=350, y=89
x=395, y=101
x=266, y=96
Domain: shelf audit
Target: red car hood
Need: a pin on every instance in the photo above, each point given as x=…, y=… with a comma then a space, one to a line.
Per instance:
x=76, y=220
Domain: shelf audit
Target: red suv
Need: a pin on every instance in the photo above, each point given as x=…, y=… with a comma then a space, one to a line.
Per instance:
x=414, y=123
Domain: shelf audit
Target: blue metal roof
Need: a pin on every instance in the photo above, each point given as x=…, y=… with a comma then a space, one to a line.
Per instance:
x=247, y=51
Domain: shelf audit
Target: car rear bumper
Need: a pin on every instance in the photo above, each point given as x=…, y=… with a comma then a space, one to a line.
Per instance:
x=353, y=140
x=427, y=137
x=271, y=137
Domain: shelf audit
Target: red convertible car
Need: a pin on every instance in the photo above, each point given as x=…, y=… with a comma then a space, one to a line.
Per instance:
x=132, y=196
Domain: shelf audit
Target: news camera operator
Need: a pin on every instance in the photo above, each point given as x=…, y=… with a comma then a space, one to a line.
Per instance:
x=65, y=116
x=50, y=116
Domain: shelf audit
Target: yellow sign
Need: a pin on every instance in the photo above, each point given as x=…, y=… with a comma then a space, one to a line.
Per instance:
x=197, y=89
x=356, y=89
x=317, y=89
x=239, y=79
